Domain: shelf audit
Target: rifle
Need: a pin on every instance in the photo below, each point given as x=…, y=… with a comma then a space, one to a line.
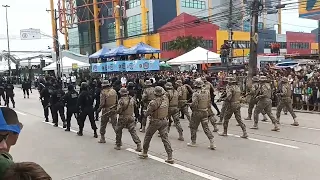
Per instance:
x=111, y=111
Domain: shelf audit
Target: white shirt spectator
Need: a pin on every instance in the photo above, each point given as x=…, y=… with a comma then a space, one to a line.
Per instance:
x=123, y=80
x=73, y=79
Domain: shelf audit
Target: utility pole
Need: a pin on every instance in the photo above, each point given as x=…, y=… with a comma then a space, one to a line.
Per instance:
x=319, y=40
x=230, y=38
x=253, y=41
x=8, y=39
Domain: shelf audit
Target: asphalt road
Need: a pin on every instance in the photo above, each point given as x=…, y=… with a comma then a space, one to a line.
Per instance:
x=291, y=154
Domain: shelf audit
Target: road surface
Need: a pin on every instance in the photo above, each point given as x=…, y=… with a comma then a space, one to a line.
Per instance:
x=291, y=154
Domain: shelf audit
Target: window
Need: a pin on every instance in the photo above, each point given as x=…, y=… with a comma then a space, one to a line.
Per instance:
x=132, y=4
x=134, y=25
x=299, y=45
x=207, y=44
x=283, y=45
x=165, y=46
x=196, y=4
x=111, y=31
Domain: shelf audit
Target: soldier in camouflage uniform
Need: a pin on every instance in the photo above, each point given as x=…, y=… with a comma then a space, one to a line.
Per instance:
x=108, y=104
x=158, y=110
x=224, y=103
x=209, y=87
x=253, y=101
x=233, y=98
x=125, y=110
x=173, y=96
x=199, y=107
x=147, y=96
x=264, y=103
x=183, y=98
x=285, y=101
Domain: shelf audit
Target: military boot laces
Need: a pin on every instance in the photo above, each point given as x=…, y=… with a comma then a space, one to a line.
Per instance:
x=143, y=155
x=139, y=149
x=192, y=144
x=295, y=122
x=255, y=126
x=169, y=159
x=102, y=139
x=212, y=146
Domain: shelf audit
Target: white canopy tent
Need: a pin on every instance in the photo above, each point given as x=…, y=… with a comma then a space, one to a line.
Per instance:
x=35, y=61
x=198, y=55
x=66, y=64
x=4, y=66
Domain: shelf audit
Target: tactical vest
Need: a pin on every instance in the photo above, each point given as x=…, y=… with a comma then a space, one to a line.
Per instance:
x=150, y=93
x=236, y=93
x=266, y=90
x=203, y=99
x=287, y=88
x=207, y=86
x=111, y=97
x=184, y=92
x=173, y=98
x=128, y=105
x=162, y=108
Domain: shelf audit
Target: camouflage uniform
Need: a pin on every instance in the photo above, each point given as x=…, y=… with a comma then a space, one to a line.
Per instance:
x=224, y=104
x=158, y=110
x=253, y=101
x=108, y=104
x=183, y=99
x=173, y=96
x=147, y=96
x=285, y=101
x=199, y=107
x=208, y=86
x=233, y=97
x=125, y=110
x=264, y=103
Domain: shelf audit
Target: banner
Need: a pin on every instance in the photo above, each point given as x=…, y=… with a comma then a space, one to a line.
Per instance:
x=127, y=66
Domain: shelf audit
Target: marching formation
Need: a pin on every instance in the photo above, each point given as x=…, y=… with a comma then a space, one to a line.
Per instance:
x=161, y=103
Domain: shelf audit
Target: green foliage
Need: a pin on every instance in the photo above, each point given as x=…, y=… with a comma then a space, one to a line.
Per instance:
x=185, y=44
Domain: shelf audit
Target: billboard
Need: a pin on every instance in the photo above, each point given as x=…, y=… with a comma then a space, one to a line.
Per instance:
x=126, y=66
x=309, y=9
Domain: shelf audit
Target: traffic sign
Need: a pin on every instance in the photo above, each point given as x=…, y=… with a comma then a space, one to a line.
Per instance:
x=30, y=34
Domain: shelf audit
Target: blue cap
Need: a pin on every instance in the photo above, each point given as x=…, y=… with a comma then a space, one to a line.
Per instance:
x=4, y=126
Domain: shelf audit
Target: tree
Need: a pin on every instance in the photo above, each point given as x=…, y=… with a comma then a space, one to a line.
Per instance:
x=185, y=44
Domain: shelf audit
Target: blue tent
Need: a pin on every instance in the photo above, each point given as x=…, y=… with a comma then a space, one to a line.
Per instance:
x=142, y=48
x=99, y=53
x=118, y=51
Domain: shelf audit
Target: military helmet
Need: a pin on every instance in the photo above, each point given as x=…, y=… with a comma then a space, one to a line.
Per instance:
x=232, y=80
x=123, y=91
x=106, y=83
x=255, y=78
x=198, y=83
x=284, y=79
x=168, y=85
x=179, y=82
x=159, y=91
x=148, y=83
x=131, y=84
x=84, y=85
x=263, y=78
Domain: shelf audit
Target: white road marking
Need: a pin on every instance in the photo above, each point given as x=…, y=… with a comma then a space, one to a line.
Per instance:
x=20, y=113
x=268, y=142
x=302, y=127
x=71, y=130
x=192, y=171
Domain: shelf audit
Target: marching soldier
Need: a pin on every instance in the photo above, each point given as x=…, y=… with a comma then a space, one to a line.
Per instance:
x=173, y=96
x=158, y=110
x=253, y=101
x=209, y=87
x=133, y=93
x=285, y=101
x=108, y=104
x=70, y=99
x=233, y=98
x=85, y=104
x=57, y=106
x=2, y=87
x=45, y=100
x=125, y=110
x=224, y=103
x=199, y=107
x=183, y=99
x=264, y=103
x=9, y=93
x=147, y=96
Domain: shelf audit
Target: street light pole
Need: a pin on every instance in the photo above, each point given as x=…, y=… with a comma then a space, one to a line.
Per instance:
x=8, y=40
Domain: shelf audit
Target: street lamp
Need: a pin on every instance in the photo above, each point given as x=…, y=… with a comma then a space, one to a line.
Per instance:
x=8, y=40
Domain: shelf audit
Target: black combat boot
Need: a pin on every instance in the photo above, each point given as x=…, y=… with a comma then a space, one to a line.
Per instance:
x=80, y=132
x=95, y=135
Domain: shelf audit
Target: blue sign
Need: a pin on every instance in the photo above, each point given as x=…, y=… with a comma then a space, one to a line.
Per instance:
x=247, y=26
x=129, y=66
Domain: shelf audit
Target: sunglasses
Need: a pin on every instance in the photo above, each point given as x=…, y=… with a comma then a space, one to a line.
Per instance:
x=4, y=137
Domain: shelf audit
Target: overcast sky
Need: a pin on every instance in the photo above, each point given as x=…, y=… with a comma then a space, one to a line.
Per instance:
x=32, y=14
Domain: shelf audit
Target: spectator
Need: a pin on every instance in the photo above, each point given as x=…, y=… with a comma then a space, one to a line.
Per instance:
x=25, y=171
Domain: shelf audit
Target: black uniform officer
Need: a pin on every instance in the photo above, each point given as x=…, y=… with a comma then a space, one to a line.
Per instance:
x=9, y=93
x=25, y=88
x=2, y=87
x=71, y=99
x=45, y=99
x=97, y=99
x=85, y=105
x=57, y=105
